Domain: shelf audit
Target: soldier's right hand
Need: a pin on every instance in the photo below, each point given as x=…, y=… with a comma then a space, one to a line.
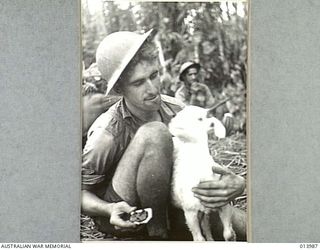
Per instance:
x=194, y=88
x=116, y=218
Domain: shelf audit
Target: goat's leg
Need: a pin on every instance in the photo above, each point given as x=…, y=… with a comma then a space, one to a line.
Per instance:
x=225, y=214
x=193, y=224
x=206, y=227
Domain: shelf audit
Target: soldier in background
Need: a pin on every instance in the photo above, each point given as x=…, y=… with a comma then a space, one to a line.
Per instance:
x=192, y=92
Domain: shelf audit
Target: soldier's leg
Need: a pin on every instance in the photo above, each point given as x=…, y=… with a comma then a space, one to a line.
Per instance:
x=143, y=174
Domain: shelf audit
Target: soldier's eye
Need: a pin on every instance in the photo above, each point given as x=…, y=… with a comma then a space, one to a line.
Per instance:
x=137, y=83
x=154, y=75
x=200, y=119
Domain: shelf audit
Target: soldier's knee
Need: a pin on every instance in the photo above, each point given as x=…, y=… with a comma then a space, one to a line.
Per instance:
x=155, y=133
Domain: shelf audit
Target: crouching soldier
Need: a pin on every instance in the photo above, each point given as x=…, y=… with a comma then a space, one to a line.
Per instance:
x=128, y=156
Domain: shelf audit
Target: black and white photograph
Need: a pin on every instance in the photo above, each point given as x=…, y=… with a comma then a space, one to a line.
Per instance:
x=164, y=121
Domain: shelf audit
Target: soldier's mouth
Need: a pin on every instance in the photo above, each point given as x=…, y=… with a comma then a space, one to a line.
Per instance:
x=152, y=98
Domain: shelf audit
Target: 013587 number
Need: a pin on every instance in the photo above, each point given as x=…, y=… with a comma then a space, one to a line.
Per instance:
x=308, y=245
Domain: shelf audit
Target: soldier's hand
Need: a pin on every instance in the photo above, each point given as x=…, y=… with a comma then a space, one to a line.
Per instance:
x=194, y=88
x=215, y=194
x=116, y=219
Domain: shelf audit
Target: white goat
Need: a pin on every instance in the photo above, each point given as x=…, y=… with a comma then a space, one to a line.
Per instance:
x=193, y=163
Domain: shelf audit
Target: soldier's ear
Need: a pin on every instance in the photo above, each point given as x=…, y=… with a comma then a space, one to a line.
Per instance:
x=117, y=88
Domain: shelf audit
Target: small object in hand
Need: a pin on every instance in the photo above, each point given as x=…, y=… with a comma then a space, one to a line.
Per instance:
x=141, y=216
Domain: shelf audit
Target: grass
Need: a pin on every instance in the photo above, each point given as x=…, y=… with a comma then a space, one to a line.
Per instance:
x=88, y=230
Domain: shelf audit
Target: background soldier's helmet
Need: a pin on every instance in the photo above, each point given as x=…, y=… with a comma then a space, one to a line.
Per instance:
x=186, y=66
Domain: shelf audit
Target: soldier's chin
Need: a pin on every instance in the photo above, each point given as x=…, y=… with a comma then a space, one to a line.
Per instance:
x=153, y=106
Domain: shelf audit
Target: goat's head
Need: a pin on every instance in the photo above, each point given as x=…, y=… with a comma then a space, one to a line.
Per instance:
x=192, y=124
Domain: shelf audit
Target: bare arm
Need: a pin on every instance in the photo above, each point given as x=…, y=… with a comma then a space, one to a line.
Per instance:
x=209, y=97
x=94, y=206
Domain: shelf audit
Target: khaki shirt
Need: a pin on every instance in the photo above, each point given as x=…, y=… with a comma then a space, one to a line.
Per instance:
x=202, y=97
x=109, y=137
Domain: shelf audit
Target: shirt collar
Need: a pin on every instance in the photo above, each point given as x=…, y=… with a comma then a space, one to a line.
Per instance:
x=166, y=113
x=124, y=110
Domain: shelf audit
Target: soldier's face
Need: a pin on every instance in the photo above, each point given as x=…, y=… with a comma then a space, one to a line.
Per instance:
x=191, y=76
x=142, y=88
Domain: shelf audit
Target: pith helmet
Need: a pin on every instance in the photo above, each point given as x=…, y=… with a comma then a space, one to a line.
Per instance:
x=115, y=52
x=186, y=66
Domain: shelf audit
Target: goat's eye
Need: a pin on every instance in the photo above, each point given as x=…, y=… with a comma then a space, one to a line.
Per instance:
x=200, y=119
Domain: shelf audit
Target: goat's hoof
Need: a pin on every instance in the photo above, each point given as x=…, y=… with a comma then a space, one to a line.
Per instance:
x=229, y=236
x=209, y=238
x=199, y=238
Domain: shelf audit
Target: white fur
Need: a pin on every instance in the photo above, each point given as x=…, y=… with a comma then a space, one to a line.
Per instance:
x=193, y=163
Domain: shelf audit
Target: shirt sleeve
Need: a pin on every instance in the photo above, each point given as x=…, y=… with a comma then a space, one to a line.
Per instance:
x=98, y=158
x=180, y=95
